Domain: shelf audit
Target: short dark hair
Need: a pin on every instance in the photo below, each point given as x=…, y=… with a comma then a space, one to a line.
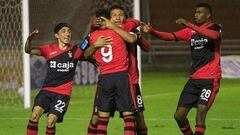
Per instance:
x=102, y=12
x=119, y=7
x=59, y=26
x=205, y=5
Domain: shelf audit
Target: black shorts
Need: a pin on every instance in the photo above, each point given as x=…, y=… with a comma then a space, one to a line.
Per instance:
x=138, y=98
x=95, y=107
x=52, y=103
x=114, y=93
x=199, y=91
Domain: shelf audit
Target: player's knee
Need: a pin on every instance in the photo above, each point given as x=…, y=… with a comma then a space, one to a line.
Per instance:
x=128, y=113
x=36, y=113
x=103, y=114
x=179, y=117
x=52, y=119
x=35, y=116
x=94, y=119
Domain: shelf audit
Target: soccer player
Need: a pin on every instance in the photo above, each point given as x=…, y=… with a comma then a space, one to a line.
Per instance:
x=118, y=16
x=201, y=89
x=114, y=88
x=54, y=96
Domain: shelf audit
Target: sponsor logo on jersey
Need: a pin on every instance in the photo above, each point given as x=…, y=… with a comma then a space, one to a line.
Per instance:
x=70, y=54
x=61, y=67
x=199, y=43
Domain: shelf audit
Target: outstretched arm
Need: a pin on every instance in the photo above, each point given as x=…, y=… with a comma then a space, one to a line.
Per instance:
x=28, y=46
x=163, y=35
x=203, y=31
x=130, y=38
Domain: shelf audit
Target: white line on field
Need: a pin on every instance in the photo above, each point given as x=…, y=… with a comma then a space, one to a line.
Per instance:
x=161, y=94
x=148, y=119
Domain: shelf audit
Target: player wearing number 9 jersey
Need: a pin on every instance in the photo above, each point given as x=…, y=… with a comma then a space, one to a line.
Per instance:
x=113, y=85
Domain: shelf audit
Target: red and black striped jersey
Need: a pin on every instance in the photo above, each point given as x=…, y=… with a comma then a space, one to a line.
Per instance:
x=61, y=65
x=205, y=49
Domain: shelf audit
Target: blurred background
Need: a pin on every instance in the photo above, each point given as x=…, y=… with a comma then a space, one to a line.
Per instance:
x=44, y=14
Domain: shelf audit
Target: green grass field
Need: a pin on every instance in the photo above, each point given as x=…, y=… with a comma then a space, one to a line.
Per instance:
x=160, y=93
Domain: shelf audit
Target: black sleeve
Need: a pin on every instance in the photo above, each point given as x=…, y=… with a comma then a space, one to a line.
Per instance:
x=137, y=32
x=216, y=27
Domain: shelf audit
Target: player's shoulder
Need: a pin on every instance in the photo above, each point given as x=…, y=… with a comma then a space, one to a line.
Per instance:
x=45, y=46
x=215, y=26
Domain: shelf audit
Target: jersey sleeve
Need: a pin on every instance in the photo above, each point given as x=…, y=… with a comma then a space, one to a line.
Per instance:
x=183, y=34
x=216, y=27
x=78, y=54
x=130, y=24
x=44, y=49
x=136, y=32
x=85, y=43
x=143, y=43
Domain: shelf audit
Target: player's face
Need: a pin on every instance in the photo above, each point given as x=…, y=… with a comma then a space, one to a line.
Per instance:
x=117, y=16
x=201, y=15
x=64, y=35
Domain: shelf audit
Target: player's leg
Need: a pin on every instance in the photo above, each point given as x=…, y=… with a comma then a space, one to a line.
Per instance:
x=103, y=120
x=208, y=91
x=105, y=101
x=40, y=105
x=200, y=119
x=181, y=118
x=141, y=127
x=56, y=112
x=141, y=124
x=129, y=123
x=126, y=103
x=187, y=100
x=92, y=127
x=32, y=127
x=51, y=122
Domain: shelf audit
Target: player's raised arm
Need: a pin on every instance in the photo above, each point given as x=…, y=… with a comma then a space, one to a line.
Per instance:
x=28, y=46
x=163, y=35
x=130, y=38
x=99, y=43
x=212, y=34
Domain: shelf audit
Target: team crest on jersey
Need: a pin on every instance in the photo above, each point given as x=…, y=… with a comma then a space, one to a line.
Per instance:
x=70, y=54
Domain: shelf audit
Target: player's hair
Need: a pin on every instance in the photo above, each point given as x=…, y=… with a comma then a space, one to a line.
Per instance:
x=205, y=5
x=118, y=7
x=102, y=12
x=59, y=26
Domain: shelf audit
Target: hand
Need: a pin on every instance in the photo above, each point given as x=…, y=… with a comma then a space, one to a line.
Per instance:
x=33, y=34
x=96, y=22
x=108, y=23
x=182, y=21
x=103, y=41
x=145, y=27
